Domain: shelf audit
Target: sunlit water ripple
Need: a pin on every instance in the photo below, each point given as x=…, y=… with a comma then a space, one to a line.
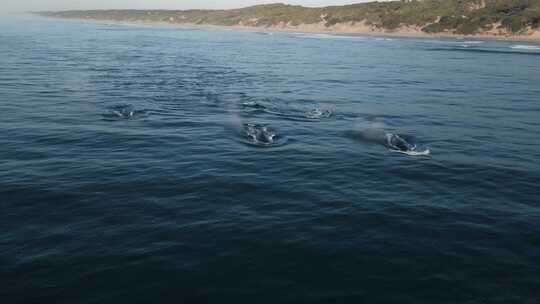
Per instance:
x=155, y=164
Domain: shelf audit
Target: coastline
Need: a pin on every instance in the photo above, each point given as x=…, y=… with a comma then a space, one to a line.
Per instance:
x=338, y=29
x=406, y=32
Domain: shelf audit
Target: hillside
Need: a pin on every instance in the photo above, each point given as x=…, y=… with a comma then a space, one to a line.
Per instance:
x=460, y=17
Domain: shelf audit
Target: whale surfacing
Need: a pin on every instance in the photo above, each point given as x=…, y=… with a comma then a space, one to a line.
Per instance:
x=262, y=135
x=397, y=144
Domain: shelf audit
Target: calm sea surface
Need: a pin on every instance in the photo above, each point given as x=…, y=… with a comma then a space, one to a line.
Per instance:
x=157, y=164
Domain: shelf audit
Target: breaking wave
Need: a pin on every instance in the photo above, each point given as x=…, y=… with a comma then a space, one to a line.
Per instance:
x=473, y=42
x=526, y=47
x=332, y=36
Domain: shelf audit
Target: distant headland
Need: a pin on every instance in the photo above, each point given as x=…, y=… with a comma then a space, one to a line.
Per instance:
x=503, y=19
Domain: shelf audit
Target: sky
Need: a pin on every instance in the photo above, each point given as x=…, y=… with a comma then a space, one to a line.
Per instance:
x=39, y=5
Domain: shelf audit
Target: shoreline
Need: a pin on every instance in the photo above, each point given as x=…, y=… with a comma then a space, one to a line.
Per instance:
x=394, y=34
x=340, y=29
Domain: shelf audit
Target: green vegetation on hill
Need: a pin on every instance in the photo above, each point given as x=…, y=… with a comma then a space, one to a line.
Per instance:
x=432, y=16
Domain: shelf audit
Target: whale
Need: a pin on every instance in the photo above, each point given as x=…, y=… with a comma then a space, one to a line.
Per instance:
x=318, y=113
x=260, y=134
x=397, y=144
x=121, y=112
x=124, y=113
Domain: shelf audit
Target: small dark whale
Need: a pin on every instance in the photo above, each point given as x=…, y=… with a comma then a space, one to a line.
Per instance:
x=318, y=113
x=398, y=144
x=260, y=134
x=123, y=112
x=253, y=105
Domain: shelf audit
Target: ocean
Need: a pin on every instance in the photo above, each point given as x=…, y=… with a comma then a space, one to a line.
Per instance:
x=159, y=164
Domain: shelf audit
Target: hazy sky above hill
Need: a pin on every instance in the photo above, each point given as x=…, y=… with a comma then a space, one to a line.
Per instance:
x=35, y=5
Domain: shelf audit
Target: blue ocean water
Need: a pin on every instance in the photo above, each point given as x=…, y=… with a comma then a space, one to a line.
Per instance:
x=154, y=164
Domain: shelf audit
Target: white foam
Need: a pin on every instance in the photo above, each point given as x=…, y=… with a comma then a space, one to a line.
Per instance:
x=526, y=47
x=413, y=153
x=473, y=42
